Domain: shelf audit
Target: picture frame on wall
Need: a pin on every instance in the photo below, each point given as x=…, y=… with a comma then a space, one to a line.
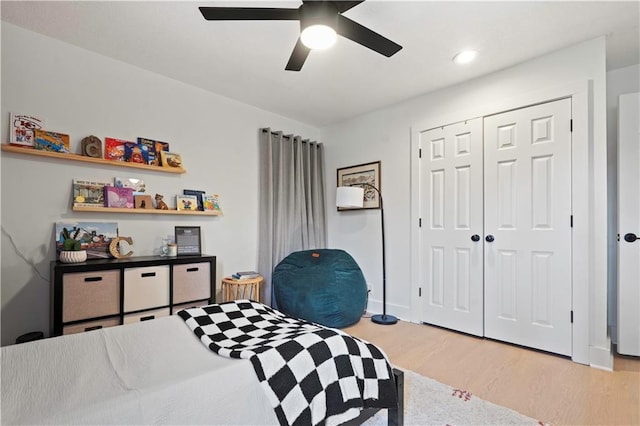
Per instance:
x=361, y=175
x=188, y=240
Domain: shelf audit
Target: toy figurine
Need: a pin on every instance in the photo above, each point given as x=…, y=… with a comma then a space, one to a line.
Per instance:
x=161, y=205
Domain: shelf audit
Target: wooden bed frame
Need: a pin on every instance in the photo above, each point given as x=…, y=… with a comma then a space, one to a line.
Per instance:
x=396, y=415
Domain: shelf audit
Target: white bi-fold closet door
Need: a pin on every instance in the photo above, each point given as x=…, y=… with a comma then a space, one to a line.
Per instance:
x=496, y=234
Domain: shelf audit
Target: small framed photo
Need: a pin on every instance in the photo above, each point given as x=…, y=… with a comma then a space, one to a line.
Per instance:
x=188, y=240
x=186, y=202
x=366, y=176
x=142, y=202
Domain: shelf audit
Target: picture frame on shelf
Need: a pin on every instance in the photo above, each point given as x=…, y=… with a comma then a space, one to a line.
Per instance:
x=143, y=202
x=95, y=237
x=368, y=173
x=188, y=240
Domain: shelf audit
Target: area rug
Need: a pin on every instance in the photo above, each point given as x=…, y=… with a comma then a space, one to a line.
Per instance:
x=428, y=402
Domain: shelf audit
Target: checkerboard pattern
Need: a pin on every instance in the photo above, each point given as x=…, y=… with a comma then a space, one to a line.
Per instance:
x=311, y=374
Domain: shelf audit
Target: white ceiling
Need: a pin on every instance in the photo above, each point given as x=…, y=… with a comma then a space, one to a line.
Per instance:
x=245, y=60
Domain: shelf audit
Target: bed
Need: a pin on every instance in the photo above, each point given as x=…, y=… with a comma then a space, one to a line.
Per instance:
x=152, y=372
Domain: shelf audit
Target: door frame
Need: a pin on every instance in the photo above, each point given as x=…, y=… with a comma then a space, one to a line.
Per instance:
x=589, y=206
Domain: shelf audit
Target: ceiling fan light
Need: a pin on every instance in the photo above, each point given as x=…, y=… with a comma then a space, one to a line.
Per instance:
x=465, y=57
x=318, y=37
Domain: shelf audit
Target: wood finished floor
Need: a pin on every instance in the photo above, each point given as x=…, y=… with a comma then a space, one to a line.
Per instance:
x=545, y=387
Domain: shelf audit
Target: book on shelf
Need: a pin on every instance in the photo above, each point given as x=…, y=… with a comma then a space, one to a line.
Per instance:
x=22, y=128
x=197, y=194
x=186, y=202
x=89, y=193
x=154, y=149
x=136, y=184
x=246, y=275
x=51, y=141
x=114, y=149
x=211, y=202
x=136, y=153
x=118, y=197
x=170, y=159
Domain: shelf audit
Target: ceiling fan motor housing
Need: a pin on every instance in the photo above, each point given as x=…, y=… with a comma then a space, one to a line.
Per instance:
x=318, y=13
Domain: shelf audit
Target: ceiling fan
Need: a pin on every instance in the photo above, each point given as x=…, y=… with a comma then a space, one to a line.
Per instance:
x=320, y=22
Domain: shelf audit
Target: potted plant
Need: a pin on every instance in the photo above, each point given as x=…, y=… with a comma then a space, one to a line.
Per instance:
x=71, y=248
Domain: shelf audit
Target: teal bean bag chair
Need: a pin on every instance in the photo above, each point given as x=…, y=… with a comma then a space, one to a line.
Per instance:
x=325, y=286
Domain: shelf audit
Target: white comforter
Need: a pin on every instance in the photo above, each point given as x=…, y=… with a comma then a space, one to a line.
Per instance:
x=152, y=372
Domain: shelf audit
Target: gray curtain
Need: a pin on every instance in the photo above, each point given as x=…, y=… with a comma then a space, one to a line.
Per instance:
x=292, y=200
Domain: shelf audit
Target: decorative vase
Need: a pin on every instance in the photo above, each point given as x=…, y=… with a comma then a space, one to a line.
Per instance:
x=73, y=256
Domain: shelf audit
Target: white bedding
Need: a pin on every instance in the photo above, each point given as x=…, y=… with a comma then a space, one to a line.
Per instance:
x=152, y=372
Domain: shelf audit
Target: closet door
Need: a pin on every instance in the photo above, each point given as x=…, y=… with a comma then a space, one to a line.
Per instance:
x=527, y=189
x=451, y=245
x=629, y=224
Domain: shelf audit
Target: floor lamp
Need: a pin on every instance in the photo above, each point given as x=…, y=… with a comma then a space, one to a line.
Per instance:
x=352, y=196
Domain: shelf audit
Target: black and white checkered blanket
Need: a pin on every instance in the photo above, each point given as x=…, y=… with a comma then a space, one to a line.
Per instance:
x=311, y=374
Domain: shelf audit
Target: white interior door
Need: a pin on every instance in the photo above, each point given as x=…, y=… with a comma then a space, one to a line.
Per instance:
x=629, y=224
x=527, y=198
x=451, y=205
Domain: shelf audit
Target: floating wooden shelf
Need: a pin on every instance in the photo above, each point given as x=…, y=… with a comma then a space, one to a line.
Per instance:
x=145, y=211
x=82, y=158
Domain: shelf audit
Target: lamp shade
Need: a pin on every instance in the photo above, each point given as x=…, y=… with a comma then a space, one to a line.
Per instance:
x=349, y=196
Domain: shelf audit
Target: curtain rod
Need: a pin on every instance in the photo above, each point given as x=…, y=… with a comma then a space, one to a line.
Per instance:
x=287, y=136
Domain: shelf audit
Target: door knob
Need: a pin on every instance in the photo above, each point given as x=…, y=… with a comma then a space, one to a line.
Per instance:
x=489, y=238
x=630, y=237
x=475, y=237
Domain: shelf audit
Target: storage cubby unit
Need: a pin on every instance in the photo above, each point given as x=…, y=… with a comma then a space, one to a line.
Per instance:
x=108, y=292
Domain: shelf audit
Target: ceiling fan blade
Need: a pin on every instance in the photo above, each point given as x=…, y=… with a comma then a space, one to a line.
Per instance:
x=343, y=6
x=249, y=14
x=298, y=56
x=364, y=36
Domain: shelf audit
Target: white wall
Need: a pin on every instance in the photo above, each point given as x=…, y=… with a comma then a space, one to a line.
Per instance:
x=385, y=135
x=620, y=81
x=81, y=93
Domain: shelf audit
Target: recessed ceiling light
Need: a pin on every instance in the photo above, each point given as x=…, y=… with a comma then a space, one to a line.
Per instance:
x=465, y=57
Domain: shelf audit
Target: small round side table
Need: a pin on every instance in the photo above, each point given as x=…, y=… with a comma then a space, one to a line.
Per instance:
x=233, y=289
